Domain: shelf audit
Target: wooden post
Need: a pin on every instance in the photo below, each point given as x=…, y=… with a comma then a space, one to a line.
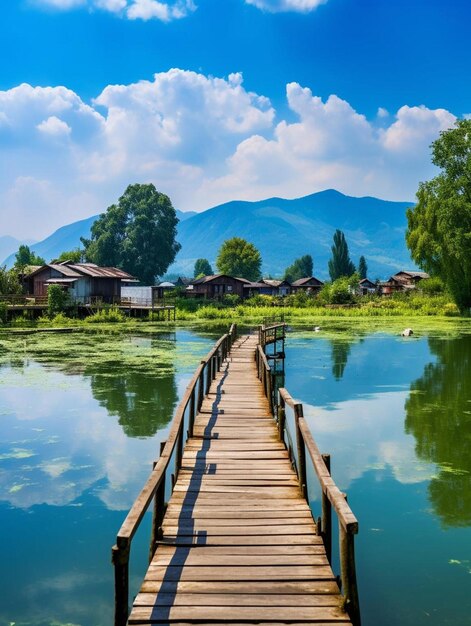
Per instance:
x=120, y=559
x=191, y=419
x=208, y=376
x=298, y=413
x=201, y=388
x=348, y=574
x=327, y=516
x=281, y=418
x=269, y=389
x=158, y=511
x=179, y=451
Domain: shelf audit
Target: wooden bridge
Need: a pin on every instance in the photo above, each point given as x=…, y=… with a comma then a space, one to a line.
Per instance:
x=237, y=542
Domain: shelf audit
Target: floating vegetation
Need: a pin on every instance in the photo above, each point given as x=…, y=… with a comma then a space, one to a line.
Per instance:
x=17, y=453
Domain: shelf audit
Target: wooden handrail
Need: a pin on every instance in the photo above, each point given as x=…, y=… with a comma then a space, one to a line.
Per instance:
x=155, y=483
x=332, y=498
x=336, y=498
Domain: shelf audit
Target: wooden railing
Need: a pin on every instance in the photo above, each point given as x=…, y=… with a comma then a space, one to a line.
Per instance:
x=332, y=497
x=154, y=488
x=271, y=333
x=24, y=300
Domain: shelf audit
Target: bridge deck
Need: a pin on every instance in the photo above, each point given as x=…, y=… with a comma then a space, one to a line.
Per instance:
x=239, y=543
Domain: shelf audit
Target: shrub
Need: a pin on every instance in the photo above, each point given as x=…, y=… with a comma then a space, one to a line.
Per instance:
x=57, y=300
x=231, y=299
x=450, y=309
x=3, y=312
x=341, y=292
x=432, y=286
x=111, y=315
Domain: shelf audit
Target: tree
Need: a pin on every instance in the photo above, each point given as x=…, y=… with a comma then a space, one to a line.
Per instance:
x=9, y=282
x=74, y=256
x=439, y=226
x=340, y=264
x=25, y=257
x=202, y=268
x=137, y=234
x=301, y=268
x=239, y=258
x=362, y=268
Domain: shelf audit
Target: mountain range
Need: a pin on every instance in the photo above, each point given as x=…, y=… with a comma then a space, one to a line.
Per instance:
x=282, y=230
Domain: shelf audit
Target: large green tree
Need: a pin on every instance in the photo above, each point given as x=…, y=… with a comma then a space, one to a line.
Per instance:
x=340, y=264
x=137, y=234
x=237, y=257
x=25, y=257
x=439, y=226
x=202, y=268
x=301, y=268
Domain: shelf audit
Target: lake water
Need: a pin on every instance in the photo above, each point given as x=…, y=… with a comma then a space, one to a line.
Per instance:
x=82, y=415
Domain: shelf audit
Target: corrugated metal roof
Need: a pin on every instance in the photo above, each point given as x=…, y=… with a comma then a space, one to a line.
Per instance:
x=413, y=274
x=66, y=270
x=95, y=271
x=302, y=281
x=207, y=279
x=79, y=270
x=255, y=286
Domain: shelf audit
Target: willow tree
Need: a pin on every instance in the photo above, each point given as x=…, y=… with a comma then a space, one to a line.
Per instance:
x=439, y=226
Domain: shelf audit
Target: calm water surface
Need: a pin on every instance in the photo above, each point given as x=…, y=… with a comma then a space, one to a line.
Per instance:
x=82, y=415
x=81, y=418
x=395, y=414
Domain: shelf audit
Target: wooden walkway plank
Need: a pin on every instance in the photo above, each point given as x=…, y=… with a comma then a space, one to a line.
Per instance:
x=238, y=545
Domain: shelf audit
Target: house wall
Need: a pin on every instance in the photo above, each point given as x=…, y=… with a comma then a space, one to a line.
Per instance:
x=80, y=289
x=37, y=284
x=218, y=288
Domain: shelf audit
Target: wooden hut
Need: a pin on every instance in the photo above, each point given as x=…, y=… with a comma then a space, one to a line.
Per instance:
x=85, y=282
x=216, y=286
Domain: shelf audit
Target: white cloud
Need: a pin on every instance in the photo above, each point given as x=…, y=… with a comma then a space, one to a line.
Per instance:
x=54, y=127
x=414, y=127
x=133, y=9
x=279, y=6
x=331, y=145
x=200, y=139
x=148, y=9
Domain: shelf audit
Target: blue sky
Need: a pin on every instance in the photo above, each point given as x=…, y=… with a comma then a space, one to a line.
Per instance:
x=214, y=100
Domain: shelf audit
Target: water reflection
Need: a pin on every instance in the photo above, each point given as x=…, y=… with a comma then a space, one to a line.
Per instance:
x=81, y=417
x=340, y=353
x=438, y=414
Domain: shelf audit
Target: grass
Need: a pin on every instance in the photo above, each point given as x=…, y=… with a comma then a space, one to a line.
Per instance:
x=309, y=311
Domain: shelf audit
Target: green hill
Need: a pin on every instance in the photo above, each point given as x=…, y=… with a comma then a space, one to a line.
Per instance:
x=285, y=229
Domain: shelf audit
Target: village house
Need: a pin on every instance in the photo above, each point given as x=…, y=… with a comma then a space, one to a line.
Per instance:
x=278, y=287
x=183, y=281
x=402, y=281
x=84, y=282
x=257, y=289
x=216, y=286
x=310, y=285
x=366, y=287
